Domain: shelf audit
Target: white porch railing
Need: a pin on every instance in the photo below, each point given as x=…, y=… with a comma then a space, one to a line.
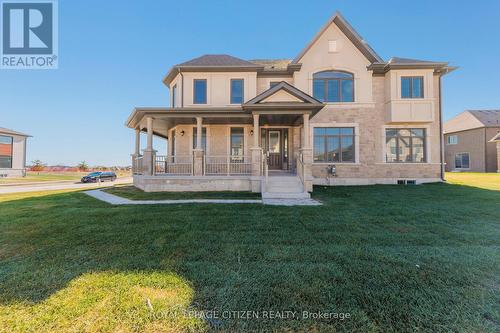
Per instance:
x=181, y=165
x=137, y=165
x=228, y=165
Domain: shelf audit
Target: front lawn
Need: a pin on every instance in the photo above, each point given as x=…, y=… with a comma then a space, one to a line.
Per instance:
x=133, y=193
x=395, y=258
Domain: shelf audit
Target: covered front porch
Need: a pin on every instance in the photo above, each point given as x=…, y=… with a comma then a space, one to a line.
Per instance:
x=223, y=149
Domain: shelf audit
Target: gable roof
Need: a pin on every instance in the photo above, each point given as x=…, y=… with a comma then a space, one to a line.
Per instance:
x=305, y=98
x=349, y=32
x=472, y=119
x=4, y=130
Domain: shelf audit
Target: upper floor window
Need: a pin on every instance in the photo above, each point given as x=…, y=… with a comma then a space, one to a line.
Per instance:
x=5, y=151
x=405, y=145
x=333, y=144
x=237, y=86
x=412, y=87
x=174, y=95
x=200, y=91
x=452, y=139
x=333, y=86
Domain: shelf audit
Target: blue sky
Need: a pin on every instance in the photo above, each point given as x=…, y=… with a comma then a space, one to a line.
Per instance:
x=113, y=55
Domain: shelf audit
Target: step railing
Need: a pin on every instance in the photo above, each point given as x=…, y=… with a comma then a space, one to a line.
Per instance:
x=137, y=165
x=181, y=165
x=227, y=165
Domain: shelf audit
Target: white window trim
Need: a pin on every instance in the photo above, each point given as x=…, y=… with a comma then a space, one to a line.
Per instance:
x=335, y=124
x=427, y=144
x=448, y=140
x=246, y=132
x=193, y=129
x=454, y=161
x=355, y=80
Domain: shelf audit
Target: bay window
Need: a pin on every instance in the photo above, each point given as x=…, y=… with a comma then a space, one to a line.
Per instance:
x=405, y=145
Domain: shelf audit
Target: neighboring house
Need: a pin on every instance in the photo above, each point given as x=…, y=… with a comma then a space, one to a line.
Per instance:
x=335, y=114
x=467, y=136
x=496, y=140
x=12, y=153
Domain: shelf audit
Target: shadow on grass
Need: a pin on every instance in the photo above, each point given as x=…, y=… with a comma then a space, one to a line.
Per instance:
x=395, y=258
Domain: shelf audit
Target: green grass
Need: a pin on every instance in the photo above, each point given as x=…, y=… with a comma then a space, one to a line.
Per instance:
x=489, y=181
x=417, y=258
x=133, y=193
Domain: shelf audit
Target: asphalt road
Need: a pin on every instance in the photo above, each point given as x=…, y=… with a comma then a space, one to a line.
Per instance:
x=50, y=186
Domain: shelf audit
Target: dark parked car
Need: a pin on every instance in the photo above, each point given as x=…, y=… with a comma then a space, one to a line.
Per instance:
x=94, y=177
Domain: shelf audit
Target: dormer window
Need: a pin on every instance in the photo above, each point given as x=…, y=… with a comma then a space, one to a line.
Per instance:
x=333, y=86
x=412, y=87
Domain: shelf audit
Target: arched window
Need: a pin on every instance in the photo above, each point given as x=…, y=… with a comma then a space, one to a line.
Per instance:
x=333, y=86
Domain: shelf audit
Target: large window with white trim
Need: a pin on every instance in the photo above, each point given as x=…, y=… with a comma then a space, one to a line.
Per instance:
x=462, y=161
x=333, y=86
x=333, y=144
x=405, y=145
x=6, y=151
x=237, y=142
x=203, y=138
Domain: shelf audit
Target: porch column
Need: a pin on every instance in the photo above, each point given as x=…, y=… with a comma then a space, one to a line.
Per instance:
x=137, y=141
x=198, y=152
x=256, y=131
x=149, y=154
x=256, y=178
x=137, y=152
x=306, y=152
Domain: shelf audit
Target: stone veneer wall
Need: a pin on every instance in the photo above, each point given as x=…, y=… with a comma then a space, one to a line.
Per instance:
x=192, y=183
x=371, y=167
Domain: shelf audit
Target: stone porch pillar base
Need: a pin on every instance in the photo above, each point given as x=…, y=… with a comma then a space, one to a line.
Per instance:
x=148, y=162
x=256, y=169
x=308, y=178
x=198, y=162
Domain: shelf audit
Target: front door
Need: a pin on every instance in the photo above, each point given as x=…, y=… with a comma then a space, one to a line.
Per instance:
x=274, y=142
x=274, y=150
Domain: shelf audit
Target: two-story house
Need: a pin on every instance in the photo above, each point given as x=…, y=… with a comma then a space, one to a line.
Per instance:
x=336, y=114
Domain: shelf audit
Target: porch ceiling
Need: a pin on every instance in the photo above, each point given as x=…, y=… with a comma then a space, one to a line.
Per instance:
x=275, y=114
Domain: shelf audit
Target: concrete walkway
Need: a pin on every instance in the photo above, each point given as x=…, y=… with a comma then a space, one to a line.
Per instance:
x=116, y=200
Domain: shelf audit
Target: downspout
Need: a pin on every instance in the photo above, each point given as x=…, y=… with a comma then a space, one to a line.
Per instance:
x=441, y=136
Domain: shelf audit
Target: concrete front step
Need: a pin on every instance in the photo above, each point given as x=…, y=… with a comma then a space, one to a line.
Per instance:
x=282, y=188
x=286, y=195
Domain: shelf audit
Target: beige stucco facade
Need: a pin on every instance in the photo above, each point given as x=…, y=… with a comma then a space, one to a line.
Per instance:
x=290, y=113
